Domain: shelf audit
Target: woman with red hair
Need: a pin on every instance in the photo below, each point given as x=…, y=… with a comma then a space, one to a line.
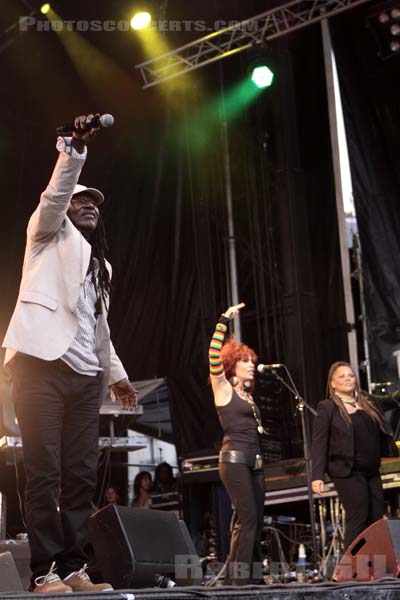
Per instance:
x=232, y=367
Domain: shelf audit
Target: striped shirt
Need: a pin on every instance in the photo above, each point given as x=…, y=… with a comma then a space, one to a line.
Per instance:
x=81, y=355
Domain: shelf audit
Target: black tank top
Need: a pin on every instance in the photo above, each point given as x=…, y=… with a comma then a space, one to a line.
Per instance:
x=239, y=425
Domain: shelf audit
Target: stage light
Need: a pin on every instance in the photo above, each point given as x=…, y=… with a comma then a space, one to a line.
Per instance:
x=383, y=22
x=262, y=76
x=44, y=9
x=261, y=65
x=140, y=20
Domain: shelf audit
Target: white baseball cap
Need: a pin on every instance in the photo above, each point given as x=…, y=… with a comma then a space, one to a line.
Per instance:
x=97, y=195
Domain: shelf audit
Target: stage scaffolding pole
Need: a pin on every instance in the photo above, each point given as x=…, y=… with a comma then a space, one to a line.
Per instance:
x=359, y=275
x=344, y=251
x=233, y=275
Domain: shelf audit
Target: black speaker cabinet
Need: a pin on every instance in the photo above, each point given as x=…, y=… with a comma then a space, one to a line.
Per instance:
x=9, y=578
x=375, y=553
x=132, y=546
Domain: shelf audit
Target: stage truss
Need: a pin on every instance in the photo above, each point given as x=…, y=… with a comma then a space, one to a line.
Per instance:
x=255, y=31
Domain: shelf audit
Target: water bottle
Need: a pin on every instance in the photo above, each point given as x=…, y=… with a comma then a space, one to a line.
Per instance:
x=301, y=564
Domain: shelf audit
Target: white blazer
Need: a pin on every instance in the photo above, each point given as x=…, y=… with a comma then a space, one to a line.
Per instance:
x=45, y=322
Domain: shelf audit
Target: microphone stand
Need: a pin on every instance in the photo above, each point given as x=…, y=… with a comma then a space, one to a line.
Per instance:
x=301, y=405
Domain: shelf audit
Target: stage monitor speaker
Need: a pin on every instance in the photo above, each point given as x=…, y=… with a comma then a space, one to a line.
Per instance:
x=132, y=546
x=9, y=578
x=375, y=553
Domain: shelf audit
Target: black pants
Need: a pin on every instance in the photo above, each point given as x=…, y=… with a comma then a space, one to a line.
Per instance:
x=58, y=413
x=362, y=497
x=245, y=488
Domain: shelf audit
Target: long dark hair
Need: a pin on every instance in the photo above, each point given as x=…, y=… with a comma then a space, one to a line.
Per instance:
x=359, y=396
x=164, y=466
x=138, y=480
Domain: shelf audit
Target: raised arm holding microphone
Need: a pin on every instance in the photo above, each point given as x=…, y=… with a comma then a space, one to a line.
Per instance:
x=62, y=361
x=232, y=368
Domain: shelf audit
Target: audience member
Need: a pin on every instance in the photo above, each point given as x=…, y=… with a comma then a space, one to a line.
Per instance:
x=142, y=488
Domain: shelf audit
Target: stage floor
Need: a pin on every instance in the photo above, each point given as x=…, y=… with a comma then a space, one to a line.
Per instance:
x=383, y=589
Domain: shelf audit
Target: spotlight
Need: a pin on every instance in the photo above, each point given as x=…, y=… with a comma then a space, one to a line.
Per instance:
x=44, y=9
x=383, y=22
x=262, y=76
x=140, y=20
x=262, y=63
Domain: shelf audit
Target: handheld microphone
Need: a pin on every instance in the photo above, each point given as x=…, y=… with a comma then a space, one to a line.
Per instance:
x=263, y=368
x=97, y=122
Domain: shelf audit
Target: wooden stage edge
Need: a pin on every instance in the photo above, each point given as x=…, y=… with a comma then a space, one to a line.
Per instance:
x=387, y=588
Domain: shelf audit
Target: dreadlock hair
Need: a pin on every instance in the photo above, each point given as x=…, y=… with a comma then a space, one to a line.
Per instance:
x=233, y=351
x=102, y=282
x=359, y=396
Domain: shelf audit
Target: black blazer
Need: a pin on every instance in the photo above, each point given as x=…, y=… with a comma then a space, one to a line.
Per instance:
x=332, y=449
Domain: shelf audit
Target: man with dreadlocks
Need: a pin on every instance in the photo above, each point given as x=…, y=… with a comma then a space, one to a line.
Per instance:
x=61, y=361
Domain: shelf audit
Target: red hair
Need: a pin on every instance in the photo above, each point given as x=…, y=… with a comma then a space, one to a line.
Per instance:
x=232, y=351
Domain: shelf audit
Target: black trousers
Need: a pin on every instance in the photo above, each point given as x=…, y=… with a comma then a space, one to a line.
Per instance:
x=58, y=414
x=362, y=497
x=245, y=487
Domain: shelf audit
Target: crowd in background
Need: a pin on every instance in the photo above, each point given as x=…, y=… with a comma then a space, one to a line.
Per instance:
x=144, y=487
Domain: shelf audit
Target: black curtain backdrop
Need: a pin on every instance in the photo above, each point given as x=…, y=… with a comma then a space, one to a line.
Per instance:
x=165, y=211
x=371, y=103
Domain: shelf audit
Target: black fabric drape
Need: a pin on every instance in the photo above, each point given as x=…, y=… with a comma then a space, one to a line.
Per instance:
x=165, y=215
x=371, y=104
x=170, y=242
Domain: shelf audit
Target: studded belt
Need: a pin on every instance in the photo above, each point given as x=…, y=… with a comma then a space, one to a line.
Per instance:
x=255, y=461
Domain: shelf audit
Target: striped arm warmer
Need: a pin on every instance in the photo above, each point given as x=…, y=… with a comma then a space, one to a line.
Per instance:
x=214, y=351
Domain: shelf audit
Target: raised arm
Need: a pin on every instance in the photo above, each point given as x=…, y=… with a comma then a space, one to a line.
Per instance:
x=221, y=387
x=54, y=201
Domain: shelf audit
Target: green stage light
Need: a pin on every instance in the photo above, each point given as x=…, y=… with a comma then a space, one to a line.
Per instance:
x=44, y=9
x=262, y=76
x=140, y=20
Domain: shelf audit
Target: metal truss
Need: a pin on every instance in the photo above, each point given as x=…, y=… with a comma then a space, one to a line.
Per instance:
x=9, y=35
x=215, y=46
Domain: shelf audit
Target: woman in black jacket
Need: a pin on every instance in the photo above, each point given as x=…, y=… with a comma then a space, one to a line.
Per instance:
x=350, y=436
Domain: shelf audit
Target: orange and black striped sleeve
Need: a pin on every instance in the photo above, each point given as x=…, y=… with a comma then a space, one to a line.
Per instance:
x=216, y=343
